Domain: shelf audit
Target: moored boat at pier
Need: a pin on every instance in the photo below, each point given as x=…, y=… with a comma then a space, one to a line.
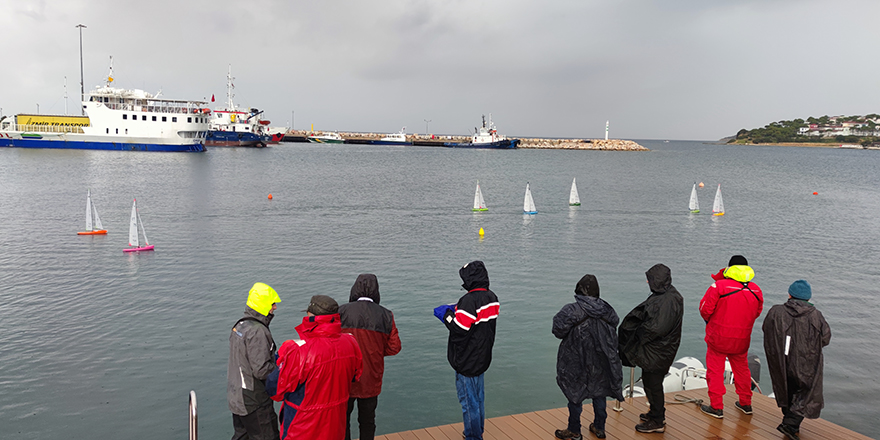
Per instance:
x=118, y=119
x=327, y=137
x=485, y=137
x=233, y=127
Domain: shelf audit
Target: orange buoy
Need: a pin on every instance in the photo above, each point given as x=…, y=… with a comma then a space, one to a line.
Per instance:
x=270, y=196
x=701, y=184
x=815, y=193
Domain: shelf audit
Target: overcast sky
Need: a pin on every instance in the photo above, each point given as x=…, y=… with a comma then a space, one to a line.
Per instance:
x=662, y=69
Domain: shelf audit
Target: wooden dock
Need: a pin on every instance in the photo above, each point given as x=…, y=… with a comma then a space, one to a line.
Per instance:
x=683, y=421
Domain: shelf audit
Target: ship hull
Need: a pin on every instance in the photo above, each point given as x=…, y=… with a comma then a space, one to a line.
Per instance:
x=233, y=139
x=505, y=144
x=69, y=142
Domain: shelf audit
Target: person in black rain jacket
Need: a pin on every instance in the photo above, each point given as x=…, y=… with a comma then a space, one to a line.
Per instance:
x=587, y=364
x=649, y=337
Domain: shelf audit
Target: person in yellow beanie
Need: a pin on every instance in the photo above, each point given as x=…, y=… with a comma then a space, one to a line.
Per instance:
x=251, y=359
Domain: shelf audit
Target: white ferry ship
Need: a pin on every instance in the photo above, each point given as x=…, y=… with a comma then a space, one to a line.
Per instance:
x=118, y=119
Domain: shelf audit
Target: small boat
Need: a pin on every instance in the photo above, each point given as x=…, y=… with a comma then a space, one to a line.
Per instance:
x=485, y=137
x=479, y=203
x=529, y=203
x=98, y=229
x=573, y=199
x=327, y=137
x=133, y=240
x=398, y=138
x=718, y=206
x=694, y=204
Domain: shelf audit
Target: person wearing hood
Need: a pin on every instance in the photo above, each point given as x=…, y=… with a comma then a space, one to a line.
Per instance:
x=794, y=334
x=587, y=364
x=251, y=360
x=471, y=325
x=649, y=337
x=373, y=327
x=314, y=375
x=730, y=307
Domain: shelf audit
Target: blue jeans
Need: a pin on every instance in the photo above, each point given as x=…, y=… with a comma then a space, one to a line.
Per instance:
x=471, y=396
x=600, y=413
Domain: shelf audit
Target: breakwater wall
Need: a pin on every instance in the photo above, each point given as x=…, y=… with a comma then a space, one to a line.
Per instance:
x=525, y=143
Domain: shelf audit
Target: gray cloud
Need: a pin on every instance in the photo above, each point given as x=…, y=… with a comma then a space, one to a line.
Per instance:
x=688, y=69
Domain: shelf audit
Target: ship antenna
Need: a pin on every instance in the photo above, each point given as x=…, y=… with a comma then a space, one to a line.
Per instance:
x=110, y=75
x=229, y=87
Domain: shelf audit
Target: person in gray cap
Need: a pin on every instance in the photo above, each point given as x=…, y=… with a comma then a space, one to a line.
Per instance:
x=314, y=375
x=794, y=334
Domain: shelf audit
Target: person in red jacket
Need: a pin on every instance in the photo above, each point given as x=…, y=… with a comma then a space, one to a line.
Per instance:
x=373, y=327
x=730, y=307
x=314, y=375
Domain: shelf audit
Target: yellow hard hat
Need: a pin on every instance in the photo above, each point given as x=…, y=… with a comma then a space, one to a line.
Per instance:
x=261, y=297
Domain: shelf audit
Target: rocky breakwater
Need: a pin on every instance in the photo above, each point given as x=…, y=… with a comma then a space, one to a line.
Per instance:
x=581, y=144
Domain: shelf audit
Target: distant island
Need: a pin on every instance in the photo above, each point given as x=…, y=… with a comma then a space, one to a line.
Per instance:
x=824, y=131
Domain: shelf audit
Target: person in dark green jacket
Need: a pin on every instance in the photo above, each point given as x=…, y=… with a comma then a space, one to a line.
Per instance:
x=794, y=334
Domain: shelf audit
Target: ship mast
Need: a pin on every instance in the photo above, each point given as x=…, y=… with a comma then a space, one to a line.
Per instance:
x=229, y=87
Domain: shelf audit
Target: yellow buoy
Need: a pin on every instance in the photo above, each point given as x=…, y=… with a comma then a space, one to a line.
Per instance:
x=270, y=196
x=482, y=232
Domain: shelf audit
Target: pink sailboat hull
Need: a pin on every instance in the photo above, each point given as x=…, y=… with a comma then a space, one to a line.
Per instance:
x=138, y=249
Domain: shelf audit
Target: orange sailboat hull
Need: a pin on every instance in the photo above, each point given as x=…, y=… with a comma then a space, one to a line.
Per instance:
x=101, y=232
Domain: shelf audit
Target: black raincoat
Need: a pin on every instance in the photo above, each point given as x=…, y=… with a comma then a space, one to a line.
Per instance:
x=587, y=364
x=803, y=366
x=650, y=334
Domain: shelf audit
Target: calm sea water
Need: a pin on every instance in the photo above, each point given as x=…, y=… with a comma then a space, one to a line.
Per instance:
x=100, y=344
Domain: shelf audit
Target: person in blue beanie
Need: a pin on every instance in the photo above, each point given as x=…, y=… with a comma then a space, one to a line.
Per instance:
x=794, y=334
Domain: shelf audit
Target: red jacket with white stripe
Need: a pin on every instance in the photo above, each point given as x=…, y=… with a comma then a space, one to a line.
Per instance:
x=472, y=325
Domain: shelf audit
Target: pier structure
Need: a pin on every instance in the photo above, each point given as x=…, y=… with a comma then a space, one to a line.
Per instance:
x=684, y=422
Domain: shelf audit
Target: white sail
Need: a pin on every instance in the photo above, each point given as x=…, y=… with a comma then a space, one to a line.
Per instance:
x=479, y=204
x=89, y=210
x=133, y=227
x=694, y=204
x=144, y=231
x=573, y=198
x=528, y=202
x=718, y=206
x=98, y=225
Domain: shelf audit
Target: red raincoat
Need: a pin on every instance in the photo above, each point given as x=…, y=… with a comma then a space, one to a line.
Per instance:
x=730, y=308
x=315, y=375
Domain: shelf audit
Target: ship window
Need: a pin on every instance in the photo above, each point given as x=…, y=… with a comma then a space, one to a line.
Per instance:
x=144, y=118
x=189, y=119
x=117, y=131
x=124, y=116
x=126, y=131
x=108, y=131
x=174, y=119
x=164, y=119
x=154, y=119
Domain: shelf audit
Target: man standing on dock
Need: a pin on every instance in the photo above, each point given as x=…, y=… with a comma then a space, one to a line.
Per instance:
x=730, y=307
x=649, y=337
x=794, y=334
x=373, y=327
x=471, y=325
x=587, y=364
x=251, y=360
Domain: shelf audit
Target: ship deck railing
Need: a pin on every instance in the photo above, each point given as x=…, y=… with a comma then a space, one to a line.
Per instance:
x=41, y=128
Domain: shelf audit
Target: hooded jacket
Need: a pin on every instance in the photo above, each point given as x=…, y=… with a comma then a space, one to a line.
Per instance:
x=373, y=327
x=313, y=379
x=587, y=363
x=472, y=324
x=730, y=307
x=650, y=334
x=804, y=362
x=251, y=359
